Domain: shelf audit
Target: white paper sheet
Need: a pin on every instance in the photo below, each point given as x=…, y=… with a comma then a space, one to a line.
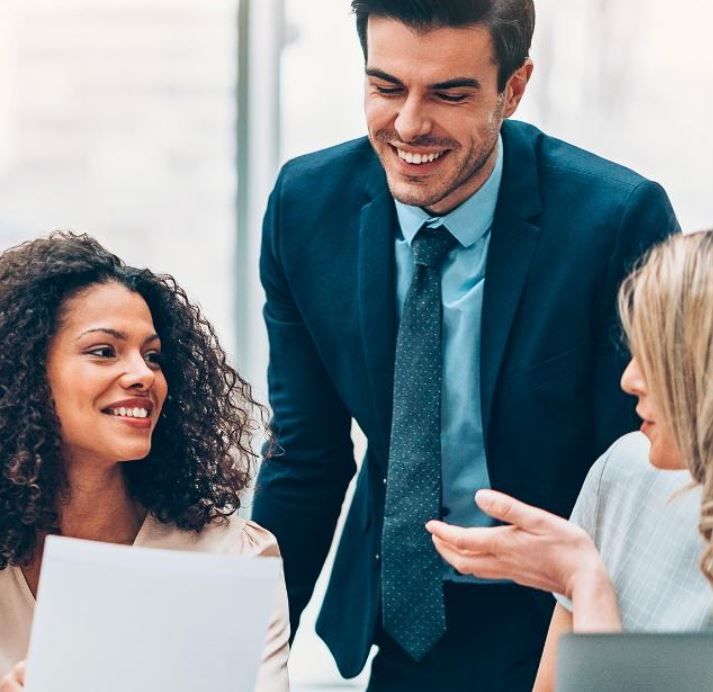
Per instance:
x=126, y=619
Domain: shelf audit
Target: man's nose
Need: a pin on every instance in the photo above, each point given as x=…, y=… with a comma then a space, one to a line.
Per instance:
x=413, y=120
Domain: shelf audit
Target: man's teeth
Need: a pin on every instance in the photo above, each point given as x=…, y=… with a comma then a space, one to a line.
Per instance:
x=129, y=412
x=418, y=158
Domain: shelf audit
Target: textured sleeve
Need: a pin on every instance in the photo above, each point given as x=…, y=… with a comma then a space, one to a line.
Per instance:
x=586, y=509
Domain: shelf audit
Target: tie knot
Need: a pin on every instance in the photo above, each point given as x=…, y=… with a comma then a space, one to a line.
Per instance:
x=432, y=245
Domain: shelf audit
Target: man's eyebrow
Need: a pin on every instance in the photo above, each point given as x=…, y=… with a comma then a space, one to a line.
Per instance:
x=380, y=74
x=123, y=336
x=457, y=83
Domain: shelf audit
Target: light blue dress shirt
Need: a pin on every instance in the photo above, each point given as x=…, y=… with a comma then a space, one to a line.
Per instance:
x=463, y=467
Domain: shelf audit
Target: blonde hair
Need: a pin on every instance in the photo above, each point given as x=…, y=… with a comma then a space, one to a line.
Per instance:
x=666, y=308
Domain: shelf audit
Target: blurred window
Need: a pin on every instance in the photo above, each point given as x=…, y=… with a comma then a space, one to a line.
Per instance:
x=117, y=118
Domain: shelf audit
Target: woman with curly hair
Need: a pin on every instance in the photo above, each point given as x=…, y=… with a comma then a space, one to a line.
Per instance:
x=120, y=421
x=637, y=553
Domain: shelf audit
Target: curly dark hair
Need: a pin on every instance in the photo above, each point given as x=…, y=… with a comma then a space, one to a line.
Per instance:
x=201, y=456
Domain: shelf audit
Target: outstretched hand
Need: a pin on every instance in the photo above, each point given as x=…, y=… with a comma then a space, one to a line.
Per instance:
x=535, y=549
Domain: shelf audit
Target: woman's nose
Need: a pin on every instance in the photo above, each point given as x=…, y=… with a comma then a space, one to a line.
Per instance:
x=632, y=381
x=138, y=375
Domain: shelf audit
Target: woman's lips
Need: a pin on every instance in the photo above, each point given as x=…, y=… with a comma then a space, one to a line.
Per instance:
x=135, y=423
x=646, y=426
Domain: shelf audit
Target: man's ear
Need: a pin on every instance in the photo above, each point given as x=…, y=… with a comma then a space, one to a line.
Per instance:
x=515, y=88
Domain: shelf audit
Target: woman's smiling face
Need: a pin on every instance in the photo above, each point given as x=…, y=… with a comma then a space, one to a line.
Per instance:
x=105, y=377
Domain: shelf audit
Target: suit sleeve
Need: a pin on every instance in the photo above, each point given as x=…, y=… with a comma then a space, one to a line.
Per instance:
x=307, y=468
x=647, y=219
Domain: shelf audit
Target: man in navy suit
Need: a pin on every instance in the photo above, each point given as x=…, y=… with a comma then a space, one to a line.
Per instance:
x=449, y=284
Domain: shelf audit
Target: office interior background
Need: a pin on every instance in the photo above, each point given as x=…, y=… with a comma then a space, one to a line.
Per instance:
x=158, y=127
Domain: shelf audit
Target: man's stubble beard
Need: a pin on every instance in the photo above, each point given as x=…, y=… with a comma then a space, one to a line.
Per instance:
x=477, y=159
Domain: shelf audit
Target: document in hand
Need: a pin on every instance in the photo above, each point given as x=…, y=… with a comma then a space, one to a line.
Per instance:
x=115, y=618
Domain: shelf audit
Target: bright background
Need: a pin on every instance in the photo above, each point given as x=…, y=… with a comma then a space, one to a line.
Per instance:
x=157, y=126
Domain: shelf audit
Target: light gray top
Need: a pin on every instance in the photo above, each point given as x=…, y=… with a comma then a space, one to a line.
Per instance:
x=644, y=522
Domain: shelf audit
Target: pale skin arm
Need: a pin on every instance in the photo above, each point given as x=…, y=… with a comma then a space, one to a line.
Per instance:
x=14, y=681
x=560, y=624
x=535, y=549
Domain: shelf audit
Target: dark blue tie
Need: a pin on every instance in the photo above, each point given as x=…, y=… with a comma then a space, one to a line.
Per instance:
x=411, y=570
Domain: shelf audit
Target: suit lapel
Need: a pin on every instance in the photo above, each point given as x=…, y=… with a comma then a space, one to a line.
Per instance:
x=377, y=303
x=513, y=241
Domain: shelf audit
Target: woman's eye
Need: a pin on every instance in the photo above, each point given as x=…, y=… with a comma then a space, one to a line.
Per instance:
x=155, y=359
x=102, y=352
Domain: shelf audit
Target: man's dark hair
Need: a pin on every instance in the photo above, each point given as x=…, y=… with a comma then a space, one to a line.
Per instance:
x=510, y=22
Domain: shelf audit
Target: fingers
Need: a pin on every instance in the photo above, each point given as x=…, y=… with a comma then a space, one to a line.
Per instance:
x=481, y=565
x=457, y=558
x=467, y=540
x=508, y=509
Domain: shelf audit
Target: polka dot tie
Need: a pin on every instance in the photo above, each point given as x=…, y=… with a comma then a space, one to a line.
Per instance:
x=411, y=570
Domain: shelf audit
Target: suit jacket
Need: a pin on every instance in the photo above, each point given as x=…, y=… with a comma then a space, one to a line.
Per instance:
x=567, y=228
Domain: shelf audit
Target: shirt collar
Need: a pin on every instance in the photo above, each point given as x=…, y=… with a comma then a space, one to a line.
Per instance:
x=469, y=221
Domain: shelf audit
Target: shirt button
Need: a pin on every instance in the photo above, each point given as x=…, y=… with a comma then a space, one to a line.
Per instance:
x=377, y=557
x=384, y=480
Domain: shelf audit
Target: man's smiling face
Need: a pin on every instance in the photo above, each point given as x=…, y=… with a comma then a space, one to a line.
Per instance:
x=433, y=109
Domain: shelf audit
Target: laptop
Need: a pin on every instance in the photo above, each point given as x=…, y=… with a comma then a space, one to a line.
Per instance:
x=635, y=662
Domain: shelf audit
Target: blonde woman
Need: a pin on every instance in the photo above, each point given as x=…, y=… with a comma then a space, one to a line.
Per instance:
x=638, y=552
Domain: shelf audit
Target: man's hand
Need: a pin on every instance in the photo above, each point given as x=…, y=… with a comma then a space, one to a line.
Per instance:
x=536, y=549
x=14, y=681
